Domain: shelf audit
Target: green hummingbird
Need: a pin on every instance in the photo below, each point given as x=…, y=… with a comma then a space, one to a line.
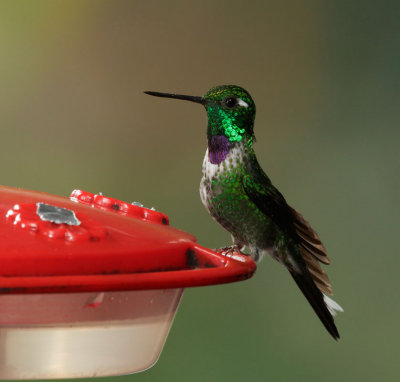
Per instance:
x=239, y=195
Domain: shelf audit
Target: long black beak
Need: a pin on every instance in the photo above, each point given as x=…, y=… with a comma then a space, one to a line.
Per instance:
x=179, y=96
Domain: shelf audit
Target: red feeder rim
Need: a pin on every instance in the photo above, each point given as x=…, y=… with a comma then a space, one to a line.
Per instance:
x=90, y=242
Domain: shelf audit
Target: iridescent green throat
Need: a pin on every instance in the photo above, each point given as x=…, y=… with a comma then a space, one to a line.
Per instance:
x=231, y=112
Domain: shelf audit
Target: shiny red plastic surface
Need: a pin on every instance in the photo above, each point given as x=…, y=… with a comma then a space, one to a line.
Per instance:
x=106, y=245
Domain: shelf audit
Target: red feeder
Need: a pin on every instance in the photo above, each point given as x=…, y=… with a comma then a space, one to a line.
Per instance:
x=90, y=286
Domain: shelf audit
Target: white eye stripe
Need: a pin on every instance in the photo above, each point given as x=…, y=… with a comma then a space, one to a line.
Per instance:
x=242, y=103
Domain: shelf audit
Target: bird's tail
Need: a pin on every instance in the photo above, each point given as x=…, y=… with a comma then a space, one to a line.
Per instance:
x=323, y=306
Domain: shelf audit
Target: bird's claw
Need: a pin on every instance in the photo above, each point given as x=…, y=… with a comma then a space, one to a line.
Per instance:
x=229, y=251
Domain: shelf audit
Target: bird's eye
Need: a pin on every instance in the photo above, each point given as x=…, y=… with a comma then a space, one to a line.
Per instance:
x=230, y=102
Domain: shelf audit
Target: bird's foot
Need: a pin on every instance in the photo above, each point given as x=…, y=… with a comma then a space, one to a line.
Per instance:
x=230, y=251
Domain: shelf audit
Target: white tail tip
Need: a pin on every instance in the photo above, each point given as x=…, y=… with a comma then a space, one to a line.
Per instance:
x=332, y=306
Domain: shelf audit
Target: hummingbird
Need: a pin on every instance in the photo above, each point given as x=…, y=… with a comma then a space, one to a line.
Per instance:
x=240, y=196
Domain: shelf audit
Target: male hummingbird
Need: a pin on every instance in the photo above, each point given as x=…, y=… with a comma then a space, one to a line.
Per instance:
x=240, y=196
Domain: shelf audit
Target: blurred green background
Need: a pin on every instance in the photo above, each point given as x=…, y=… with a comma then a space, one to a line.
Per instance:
x=325, y=78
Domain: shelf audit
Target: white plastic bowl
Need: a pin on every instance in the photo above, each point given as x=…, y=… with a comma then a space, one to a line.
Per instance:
x=47, y=336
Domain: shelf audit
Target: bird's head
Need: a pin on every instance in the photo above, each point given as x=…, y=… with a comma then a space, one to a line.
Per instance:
x=230, y=110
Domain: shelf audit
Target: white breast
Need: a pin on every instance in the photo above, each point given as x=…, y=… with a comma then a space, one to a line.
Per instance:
x=211, y=171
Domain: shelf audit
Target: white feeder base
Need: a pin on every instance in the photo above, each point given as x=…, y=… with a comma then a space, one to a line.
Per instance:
x=85, y=347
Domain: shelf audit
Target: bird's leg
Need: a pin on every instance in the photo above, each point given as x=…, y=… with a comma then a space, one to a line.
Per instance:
x=230, y=250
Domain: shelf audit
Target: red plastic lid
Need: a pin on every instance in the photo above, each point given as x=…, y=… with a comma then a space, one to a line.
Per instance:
x=94, y=243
